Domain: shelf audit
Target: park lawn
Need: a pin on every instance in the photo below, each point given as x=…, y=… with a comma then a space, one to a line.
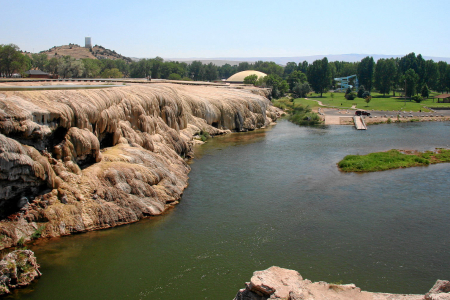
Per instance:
x=392, y=159
x=307, y=102
x=378, y=102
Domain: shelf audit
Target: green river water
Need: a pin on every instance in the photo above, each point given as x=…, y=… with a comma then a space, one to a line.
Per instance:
x=272, y=197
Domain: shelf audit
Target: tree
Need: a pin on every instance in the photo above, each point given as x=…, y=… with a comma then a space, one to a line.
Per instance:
x=92, y=67
x=11, y=60
x=226, y=71
x=111, y=73
x=197, y=70
x=367, y=99
x=385, y=71
x=141, y=69
x=425, y=91
x=156, y=66
x=268, y=67
x=319, y=75
x=303, y=67
x=408, y=62
x=412, y=79
x=70, y=67
x=296, y=77
x=244, y=66
x=251, y=79
x=52, y=66
x=211, y=73
x=431, y=74
x=289, y=68
x=365, y=72
x=39, y=61
x=302, y=89
x=442, y=83
x=278, y=85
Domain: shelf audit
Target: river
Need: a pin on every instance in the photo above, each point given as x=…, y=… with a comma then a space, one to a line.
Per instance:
x=272, y=197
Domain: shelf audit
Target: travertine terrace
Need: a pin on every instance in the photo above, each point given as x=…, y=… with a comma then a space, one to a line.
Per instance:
x=80, y=160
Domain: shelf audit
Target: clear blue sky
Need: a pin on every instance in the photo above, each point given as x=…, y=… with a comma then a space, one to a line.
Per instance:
x=246, y=28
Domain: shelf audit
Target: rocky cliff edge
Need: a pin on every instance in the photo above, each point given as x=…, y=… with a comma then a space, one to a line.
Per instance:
x=283, y=284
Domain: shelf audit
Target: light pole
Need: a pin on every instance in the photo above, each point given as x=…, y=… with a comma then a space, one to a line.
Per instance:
x=405, y=92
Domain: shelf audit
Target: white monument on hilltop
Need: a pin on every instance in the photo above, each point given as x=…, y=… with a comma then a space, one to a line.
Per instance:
x=87, y=42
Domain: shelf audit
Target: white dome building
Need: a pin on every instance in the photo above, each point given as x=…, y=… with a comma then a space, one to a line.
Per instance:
x=239, y=77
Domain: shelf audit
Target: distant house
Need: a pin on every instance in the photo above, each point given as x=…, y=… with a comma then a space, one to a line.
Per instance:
x=37, y=74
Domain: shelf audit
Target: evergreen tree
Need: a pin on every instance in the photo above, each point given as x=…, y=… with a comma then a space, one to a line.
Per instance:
x=425, y=91
x=365, y=72
x=319, y=75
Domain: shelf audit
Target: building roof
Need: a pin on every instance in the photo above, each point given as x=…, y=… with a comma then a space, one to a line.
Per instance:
x=443, y=96
x=239, y=77
x=35, y=72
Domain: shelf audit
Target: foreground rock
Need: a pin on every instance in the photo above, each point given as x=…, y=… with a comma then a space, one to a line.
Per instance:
x=284, y=284
x=17, y=269
x=81, y=160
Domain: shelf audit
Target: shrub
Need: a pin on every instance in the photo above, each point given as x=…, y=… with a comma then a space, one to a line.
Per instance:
x=38, y=232
x=348, y=91
x=304, y=116
x=361, y=91
x=365, y=94
x=174, y=76
x=204, y=135
x=350, y=96
x=417, y=98
x=21, y=242
x=251, y=79
x=301, y=89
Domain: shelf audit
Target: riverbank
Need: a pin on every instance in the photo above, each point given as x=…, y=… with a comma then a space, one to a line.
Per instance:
x=83, y=160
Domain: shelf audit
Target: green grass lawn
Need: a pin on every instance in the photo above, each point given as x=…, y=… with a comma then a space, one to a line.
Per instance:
x=392, y=159
x=378, y=102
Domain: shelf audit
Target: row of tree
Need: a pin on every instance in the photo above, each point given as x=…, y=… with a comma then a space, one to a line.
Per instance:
x=411, y=73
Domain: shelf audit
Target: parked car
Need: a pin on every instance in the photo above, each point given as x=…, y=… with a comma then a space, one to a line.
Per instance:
x=362, y=113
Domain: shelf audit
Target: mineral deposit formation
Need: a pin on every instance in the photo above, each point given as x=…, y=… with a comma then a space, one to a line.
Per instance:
x=81, y=160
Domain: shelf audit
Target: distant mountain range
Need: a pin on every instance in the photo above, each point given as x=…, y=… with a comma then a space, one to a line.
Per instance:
x=219, y=61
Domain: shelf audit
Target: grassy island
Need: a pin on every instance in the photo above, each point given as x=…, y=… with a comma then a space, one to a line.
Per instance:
x=392, y=159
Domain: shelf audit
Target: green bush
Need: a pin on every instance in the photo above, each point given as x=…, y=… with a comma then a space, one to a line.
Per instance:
x=350, y=96
x=251, y=79
x=204, y=135
x=304, y=116
x=174, y=76
x=38, y=232
x=417, y=98
x=361, y=91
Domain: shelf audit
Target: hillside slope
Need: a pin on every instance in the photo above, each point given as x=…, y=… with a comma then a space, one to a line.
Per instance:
x=97, y=52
